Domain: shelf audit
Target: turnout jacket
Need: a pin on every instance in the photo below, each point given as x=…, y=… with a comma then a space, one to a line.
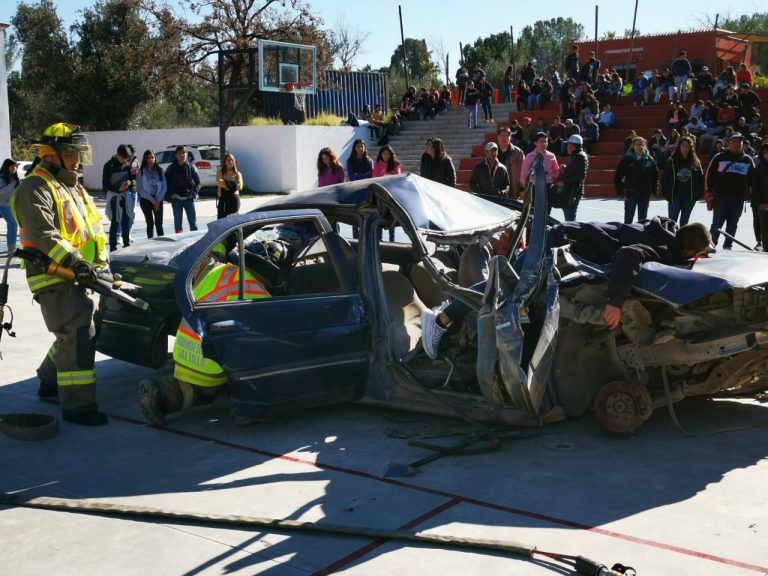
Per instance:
x=57, y=217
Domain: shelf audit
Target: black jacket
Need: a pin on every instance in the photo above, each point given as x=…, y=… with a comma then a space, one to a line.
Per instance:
x=438, y=169
x=574, y=173
x=680, y=178
x=625, y=246
x=114, y=174
x=760, y=184
x=482, y=181
x=183, y=181
x=636, y=176
x=730, y=174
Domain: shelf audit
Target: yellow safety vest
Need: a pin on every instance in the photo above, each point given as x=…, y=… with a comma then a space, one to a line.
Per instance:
x=79, y=224
x=220, y=284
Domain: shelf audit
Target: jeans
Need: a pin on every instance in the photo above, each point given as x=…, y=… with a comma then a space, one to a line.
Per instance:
x=727, y=210
x=118, y=204
x=763, y=217
x=131, y=198
x=487, y=110
x=472, y=116
x=681, y=206
x=180, y=205
x=507, y=92
x=154, y=219
x=533, y=99
x=569, y=214
x=636, y=201
x=681, y=85
x=13, y=227
x=458, y=310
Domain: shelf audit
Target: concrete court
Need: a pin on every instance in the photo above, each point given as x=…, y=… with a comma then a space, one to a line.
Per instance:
x=655, y=500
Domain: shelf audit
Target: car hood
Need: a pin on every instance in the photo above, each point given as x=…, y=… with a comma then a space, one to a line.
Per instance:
x=436, y=210
x=155, y=251
x=681, y=286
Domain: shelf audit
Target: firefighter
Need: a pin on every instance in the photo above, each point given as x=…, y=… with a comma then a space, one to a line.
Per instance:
x=196, y=380
x=58, y=218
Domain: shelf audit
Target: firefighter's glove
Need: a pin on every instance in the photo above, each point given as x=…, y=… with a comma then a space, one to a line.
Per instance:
x=85, y=275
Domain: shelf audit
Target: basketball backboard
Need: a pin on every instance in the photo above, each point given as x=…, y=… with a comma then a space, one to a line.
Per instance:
x=287, y=67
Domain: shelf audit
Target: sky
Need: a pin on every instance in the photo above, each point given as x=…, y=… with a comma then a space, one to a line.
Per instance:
x=452, y=21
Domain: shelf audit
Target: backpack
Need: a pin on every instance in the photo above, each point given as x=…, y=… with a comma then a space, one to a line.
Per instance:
x=352, y=120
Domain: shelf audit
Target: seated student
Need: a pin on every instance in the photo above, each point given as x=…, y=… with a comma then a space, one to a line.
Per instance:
x=376, y=120
x=703, y=81
x=555, y=134
x=444, y=103
x=591, y=134
x=607, y=118
x=625, y=246
x=696, y=127
x=569, y=129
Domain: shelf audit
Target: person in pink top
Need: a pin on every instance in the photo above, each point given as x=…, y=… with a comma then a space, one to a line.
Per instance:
x=329, y=170
x=549, y=160
x=386, y=162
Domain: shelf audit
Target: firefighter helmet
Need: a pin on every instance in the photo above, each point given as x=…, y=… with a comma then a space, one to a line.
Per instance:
x=63, y=138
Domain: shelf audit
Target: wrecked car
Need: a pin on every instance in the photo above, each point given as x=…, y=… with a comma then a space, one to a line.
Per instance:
x=344, y=323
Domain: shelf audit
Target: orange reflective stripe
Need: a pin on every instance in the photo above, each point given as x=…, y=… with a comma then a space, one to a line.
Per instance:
x=187, y=332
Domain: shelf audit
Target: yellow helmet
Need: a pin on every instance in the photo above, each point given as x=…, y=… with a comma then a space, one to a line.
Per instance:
x=63, y=137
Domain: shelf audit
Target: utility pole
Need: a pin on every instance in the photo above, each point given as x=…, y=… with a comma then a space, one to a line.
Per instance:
x=512, y=45
x=632, y=40
x=597, y=54
x=405, y=52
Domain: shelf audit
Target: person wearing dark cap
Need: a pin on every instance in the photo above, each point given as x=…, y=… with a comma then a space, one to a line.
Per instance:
x=703, y=81
x=116, y=183
x=490, y=177
x=728, y=184
x=511, y=157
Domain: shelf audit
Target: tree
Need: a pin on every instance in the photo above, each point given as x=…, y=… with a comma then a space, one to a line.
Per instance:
x=118, y=65
x=546, y=41
x=347, y=43
x=419, y=63
x=756, y=24
x=485, y=50
x=609, y=35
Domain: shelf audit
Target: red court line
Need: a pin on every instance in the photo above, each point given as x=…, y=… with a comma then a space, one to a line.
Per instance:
x=465, y=499
x=360, y=552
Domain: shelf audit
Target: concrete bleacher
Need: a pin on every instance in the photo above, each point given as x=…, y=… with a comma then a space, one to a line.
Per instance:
x=603, y=155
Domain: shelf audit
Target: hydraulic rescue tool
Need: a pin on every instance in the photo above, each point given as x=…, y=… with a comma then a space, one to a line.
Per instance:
x=106, y=284
x=5, y=326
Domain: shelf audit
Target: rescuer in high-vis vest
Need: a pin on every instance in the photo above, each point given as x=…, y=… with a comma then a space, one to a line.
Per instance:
x=58, y=218
x=196, y=380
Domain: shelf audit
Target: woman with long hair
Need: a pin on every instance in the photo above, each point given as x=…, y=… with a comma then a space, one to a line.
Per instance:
x=359, y=164
x=9, y=179
x=683, y=181
x=636, y=179
x=152, y=187
x=329, y=169
x=436, y=164
x=386, y=162
x=229, y=183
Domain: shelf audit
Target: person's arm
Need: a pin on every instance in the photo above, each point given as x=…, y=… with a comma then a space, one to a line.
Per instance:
x=626, y=269
x=142, y=187
x=195, y=180
x=525, y=168
x=709, y=180
x=505, y=188
x=618, y=179
x=654, y=177
x=219, y=182
x=168, y=182
x=449, y=173
x=162, y=185
x=668, y=178
x=239, y=182
x=474, y=180
x=575, y=171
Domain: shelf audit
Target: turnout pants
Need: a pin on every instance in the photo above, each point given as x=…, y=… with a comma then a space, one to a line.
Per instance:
x=68, y=313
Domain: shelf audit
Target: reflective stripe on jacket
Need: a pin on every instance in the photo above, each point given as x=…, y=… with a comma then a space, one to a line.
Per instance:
x=220, y=284
x=77, y=229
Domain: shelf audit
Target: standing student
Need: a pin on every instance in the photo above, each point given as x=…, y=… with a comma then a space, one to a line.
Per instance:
x=471, y=95
x=683, y=181
x=183, y=187
x=116, y=182
x=636, y=179
x=359, y=164
x=9, y=179
x=386, y=164
x=152, y=187
x=329, y=169
x=229, y=183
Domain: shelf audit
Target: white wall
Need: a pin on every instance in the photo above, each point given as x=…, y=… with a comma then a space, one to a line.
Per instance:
x=271, y=158
x=5, y=123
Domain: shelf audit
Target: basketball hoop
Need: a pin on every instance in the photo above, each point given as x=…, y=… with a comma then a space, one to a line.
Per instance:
x=299, y=96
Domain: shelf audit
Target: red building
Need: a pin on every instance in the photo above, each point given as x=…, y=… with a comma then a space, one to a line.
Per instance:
x=715, y=48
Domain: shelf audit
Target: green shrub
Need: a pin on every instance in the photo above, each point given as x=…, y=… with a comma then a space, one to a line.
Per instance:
x=325, y=119
x=760, y=81
x=263, y=121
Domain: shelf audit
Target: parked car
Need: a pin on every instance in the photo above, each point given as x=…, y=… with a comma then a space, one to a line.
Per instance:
x=345, y=326
x=205, y=157
x=22, y=167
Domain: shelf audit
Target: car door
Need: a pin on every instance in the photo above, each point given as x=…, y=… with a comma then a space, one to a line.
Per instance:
x=307, y=347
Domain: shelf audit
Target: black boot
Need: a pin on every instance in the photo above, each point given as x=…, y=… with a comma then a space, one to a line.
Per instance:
x=89, y=418
x=48, y=391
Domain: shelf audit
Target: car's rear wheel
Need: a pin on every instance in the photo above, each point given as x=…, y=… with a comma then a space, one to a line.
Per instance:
x=623, y=406
x=159, y=350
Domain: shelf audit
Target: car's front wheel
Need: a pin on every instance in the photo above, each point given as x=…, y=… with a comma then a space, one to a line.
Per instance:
x=623, y=406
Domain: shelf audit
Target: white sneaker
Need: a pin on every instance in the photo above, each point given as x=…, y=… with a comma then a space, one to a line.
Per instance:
x=431, y=333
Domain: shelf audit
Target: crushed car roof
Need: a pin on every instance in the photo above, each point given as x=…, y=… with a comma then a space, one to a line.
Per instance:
x=431, y=206
x=681, y=286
